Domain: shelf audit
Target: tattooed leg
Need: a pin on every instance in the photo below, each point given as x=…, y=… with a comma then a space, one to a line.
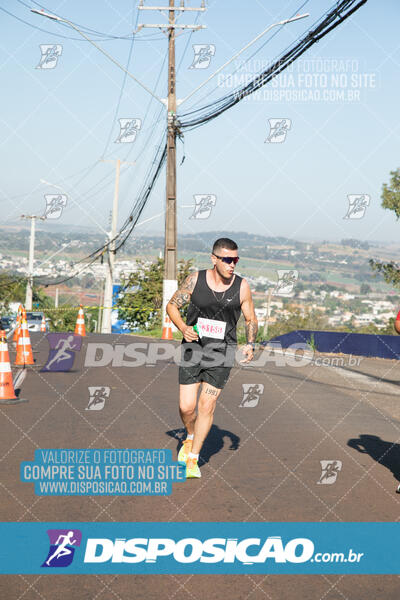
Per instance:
x=205, y=414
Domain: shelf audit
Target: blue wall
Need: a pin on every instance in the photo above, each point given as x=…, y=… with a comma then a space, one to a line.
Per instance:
x=359, y=344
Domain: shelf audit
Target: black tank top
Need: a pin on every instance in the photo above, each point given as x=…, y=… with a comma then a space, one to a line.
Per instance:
x=218, y=306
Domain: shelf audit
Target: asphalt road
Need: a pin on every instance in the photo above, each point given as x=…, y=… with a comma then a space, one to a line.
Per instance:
x=261, y=462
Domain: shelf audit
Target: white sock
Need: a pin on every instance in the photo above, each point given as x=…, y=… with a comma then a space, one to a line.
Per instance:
x=191, y=455
x=190, y=436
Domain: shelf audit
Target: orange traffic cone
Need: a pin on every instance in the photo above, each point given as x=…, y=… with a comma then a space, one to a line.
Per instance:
x=7, y=392
x=24, y=347
x=80, y=323
x=167, y=329
x=43, y=324
x=18, y=325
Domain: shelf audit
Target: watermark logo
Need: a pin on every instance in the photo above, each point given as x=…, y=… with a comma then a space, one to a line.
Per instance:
x=337, y=361
x=50, y=55
x=62, y=351
x=194, y=550
x=251, y=394
x=97, y=397
x=128, y=130
x=62, y=547
x=139, y=354
x=358, y=204
x=203, y=54
x=331, y=80
x=287, y=279
x=278, y=129
x=204, y=203
x=55, y=204
x=329, y=471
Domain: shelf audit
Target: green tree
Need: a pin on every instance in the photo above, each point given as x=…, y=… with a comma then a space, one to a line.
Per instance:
x=64, y=318
x=141, y=299
x=365, y=289
x=13, y=289
x=390, y=200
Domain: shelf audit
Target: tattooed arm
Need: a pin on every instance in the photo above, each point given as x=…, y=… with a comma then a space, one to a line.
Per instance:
x=179, y=299
x=249, y=314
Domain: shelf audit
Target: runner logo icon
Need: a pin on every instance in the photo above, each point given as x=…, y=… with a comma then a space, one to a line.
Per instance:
x=50, y=55
x=251, y=394
x=62, y=547
x=278, y=129
x=358, y=204
x=98, y=396
x=330, y=470
x=286, y=281
x=128, y=130
x=55, y=203
x=203, y=54
x=62, y=351
x=204, y=204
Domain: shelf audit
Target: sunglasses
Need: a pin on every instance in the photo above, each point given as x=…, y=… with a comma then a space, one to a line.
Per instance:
x=228, y=259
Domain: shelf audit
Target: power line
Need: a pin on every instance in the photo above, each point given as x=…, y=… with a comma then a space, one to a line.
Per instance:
x=339, y=13
x=333, y=18
x=327, y=23
x=122, y=86
x=273, y=34
x=130, y=223
x=101, y=37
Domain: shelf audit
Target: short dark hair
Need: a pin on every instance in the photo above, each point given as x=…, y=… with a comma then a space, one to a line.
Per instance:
x=224, y=243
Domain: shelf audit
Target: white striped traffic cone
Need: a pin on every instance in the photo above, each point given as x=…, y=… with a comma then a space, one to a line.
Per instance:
x=80, y=323
x=167, y=329
x=24, y=347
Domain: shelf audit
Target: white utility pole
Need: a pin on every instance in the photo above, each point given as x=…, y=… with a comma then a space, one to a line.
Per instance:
x=267, y=313
x=108, y=287
x=29, y=284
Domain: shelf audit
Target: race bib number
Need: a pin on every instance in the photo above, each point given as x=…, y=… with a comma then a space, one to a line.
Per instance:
x=211, y=328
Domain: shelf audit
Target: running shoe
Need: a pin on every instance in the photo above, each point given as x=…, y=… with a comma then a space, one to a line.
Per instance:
x=185, y=449
x=192, y=468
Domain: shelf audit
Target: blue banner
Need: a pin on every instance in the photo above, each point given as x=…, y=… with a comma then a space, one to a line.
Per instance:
x=207, y=548
x=357, y=344
x=102, y=472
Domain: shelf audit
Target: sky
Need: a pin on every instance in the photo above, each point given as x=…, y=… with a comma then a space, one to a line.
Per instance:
x=337, y=107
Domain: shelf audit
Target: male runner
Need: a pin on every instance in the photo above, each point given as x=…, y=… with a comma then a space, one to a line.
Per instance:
x=217, y=297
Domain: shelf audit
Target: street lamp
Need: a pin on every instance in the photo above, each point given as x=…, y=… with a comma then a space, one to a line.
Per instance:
x=42, y=13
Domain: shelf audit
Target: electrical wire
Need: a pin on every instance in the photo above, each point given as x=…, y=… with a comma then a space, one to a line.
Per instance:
x=104, y=37
x=338, y=14
x=333, y=18
x=38, y=278
x=125, y=76
x=271, y=36
x=130, y=223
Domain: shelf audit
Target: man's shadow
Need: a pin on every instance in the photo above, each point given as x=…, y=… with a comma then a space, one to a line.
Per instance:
x=385, y=453
x=213, y=443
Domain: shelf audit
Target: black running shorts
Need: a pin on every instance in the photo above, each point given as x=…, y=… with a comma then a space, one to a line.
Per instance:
x=216, y=376
x=194, y=370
